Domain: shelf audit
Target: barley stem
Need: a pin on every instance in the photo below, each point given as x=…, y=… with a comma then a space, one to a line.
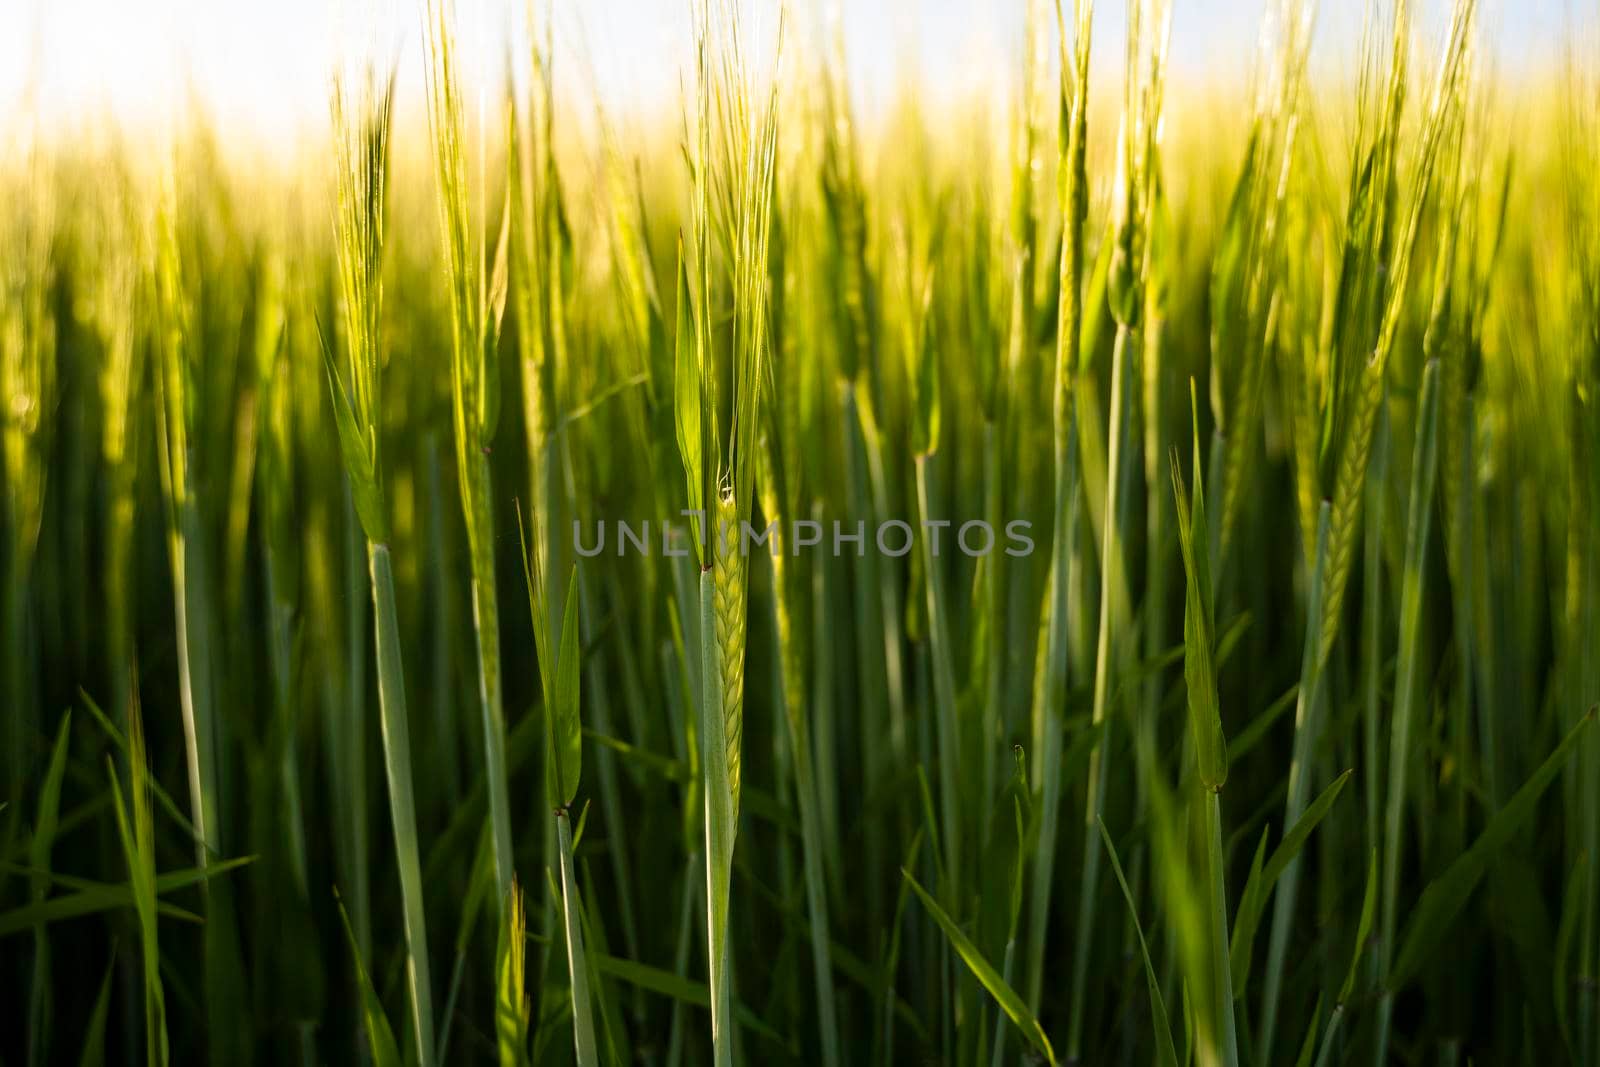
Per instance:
x=402, y=803
x=1419, y=525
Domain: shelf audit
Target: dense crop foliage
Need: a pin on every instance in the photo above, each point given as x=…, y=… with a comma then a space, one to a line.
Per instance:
x=1139, y=599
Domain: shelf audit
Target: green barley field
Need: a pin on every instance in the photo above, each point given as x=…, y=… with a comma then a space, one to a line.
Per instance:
x=1105, y=576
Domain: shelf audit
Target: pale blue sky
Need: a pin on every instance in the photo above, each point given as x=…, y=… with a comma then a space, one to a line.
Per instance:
x=262, y=65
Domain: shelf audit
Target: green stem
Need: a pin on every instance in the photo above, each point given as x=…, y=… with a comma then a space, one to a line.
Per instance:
x=944, y=688
x=402, y=805
x=595, y=679
x=873, y=656
x=994, y=587
x=1111, y=615
x=1326, y=1050
x=119, y=599
x=1419, y=523
x=486, y=624
x=1047, y=716
x=194, y=681
x=347, y=725
x=1221, y=968
x=681, y=960
x=577, y=961
x=719, y=822
x=792, y=693
x=1307, y=727
x=824, y=717
x=1372, y=621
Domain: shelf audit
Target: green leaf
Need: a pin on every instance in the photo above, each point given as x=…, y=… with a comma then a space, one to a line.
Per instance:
x=675, y=987
x=137, y=833
x=44, y=832
x=534, y=579
x=566, y=730
x=687, y=401
x=1229, y=281
x=1309, y=1045
x=925, y=427
x=1166, y=1054
x=1199, y=623
x=380, y=1038
x=96, y=897
x=1369, y=908
x=1571, y=908
x=358, y=458
x=494, y=318
x=1246, y=739
x=1004, y=995
x=94, y=1035
x=1446, y=895
x=120, y=742
x=1259, y=889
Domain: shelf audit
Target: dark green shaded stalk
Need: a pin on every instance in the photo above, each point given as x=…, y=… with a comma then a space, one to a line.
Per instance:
x=15, y=636
x=600, y=705
x=680, y=959
x=792, y=694
x=347, y=726
x=1307, y=729
x=181, y=396
x=1113, y=612
x=1047, y=716
x=890, y=609
x=184, y=544
x=1129, y=285
x=1419, y=525
x=947, y=728
x=442, y=616
x=813, y=851
x=595, y=679
x=877, y=661
x=825, y=711
x=1372, y=624
x=994, y=588
x=1475, y=659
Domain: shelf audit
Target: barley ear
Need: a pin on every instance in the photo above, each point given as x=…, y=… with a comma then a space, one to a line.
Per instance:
x=731, y=572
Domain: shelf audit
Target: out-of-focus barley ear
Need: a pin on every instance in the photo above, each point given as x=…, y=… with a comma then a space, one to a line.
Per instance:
x=28, y=401
x=1349, y=482
x=478, y=290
